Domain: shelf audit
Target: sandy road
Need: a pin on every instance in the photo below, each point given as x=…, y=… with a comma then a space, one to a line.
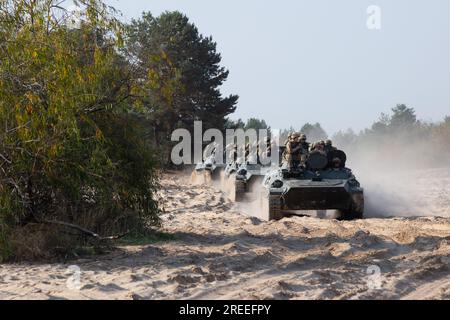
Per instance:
x=220, y=252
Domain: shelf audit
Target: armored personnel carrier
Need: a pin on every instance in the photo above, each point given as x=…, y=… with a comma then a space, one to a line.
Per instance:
x=231, y=168
x=323, y=183
x=247, y=177
x=207, y=170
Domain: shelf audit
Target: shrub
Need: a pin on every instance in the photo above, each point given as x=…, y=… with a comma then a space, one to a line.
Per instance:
x=72, y=149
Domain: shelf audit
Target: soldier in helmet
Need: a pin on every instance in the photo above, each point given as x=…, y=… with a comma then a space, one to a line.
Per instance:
x=319, y=146
x=336, y=163
x=288, y=138
x=329, y=146
x=304, y=151
x=293, y=151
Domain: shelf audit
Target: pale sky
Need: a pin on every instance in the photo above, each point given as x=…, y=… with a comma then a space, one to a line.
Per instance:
x=297, y=61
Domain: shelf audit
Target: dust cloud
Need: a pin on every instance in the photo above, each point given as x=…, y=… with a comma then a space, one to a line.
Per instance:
x=401, y=178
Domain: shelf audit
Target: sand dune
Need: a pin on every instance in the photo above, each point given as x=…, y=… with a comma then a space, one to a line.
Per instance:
x=222, y=253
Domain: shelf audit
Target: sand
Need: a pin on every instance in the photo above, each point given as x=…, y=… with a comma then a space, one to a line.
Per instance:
x=220, y=252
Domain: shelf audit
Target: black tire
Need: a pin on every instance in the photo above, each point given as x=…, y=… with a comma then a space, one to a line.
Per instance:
x=356, y=209
x=350, y=215
x=275, y=208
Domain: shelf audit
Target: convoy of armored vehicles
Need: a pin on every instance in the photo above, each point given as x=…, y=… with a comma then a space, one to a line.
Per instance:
x=321, y=183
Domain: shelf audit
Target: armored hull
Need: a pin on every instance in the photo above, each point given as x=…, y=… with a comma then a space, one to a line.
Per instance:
x=314, y=187
x=207, y=170
x=247, y=177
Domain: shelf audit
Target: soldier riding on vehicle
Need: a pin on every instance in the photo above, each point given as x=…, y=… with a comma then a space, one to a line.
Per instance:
x=292, y=152
x=318, y=146
x=329, y=146
x=304, y=149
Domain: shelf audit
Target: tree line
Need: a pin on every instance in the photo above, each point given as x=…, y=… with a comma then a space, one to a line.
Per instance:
x=400, y=139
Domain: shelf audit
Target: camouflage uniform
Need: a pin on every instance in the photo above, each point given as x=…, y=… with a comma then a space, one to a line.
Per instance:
x=288, y=139
x=304, y=151
x=319, y=146
x=329, y=146
x=292, y=152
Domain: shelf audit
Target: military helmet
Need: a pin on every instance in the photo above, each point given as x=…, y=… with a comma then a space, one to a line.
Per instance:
x=295, y=135
x=336, y=160
x=328, y=142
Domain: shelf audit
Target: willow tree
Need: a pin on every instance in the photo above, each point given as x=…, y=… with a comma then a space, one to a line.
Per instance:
x=71, y=151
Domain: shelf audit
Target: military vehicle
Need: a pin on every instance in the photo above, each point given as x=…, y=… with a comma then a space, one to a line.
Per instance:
x=207, y=170
x=318, y=185
x=248, y=176
x=231, y=168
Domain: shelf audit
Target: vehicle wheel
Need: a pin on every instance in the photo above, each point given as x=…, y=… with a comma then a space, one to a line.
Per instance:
x=356, y=210
x=350, y=215
x=275, y=208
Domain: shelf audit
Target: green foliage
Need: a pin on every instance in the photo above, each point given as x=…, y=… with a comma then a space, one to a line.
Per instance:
x=344, y=138
x=382, y=125
x=402, y=116
x=400, y=139
x=231, y=124
x=447, y=120
x=314, y=132
x=256, y=124
x=441, y=136
x=72, y=146
x=252, y=123
x=180, y=72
